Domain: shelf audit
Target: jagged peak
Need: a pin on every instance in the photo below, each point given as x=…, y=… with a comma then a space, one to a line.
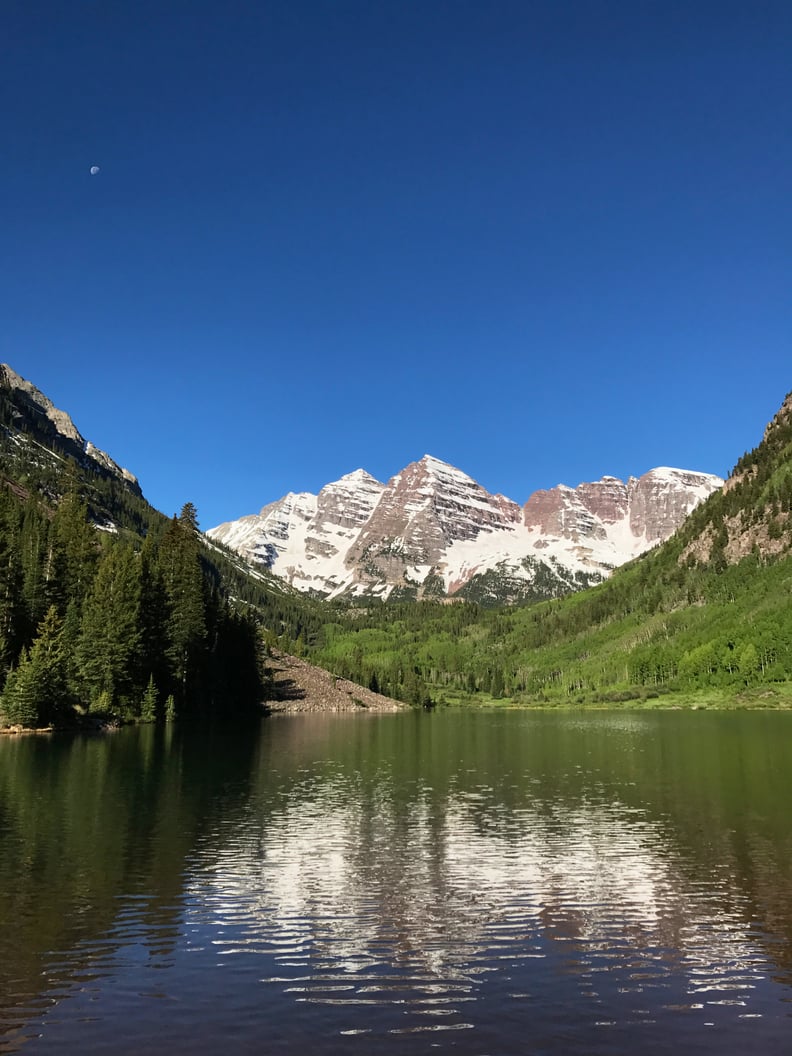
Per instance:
x=60, y=419
x=672, y=476
x=357, y=476
x=293, y=498
x=437, y=467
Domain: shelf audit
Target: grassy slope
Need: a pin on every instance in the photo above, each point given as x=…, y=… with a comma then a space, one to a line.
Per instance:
x=692, y=621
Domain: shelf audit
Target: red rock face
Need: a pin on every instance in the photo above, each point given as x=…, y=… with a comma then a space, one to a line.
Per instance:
x=606, y=499
x=577, y=513
x=543, y=510
x=653, y=506
x=423, y=509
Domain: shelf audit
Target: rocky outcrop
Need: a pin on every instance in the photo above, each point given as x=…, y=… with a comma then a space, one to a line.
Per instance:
x=660, y=500
x=45, y=416
x=568, y=513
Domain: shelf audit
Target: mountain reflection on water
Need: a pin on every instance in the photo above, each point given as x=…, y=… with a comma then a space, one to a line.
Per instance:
x=474, y=882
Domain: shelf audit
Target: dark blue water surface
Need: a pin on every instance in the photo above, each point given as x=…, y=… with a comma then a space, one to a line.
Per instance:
x=480, y=883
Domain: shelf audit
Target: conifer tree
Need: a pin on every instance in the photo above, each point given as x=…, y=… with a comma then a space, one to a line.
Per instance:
x=180, y=566
x=154, y=615
x=33, y=551
x=77, y=551
x=36, y=691
x=12, y=610
x=148, y=707
x=108, y=651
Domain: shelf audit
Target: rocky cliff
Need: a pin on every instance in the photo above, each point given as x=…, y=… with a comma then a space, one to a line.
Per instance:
x=35, y=416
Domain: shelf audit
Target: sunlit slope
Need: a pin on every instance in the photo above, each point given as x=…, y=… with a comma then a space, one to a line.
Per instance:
x=708, y=610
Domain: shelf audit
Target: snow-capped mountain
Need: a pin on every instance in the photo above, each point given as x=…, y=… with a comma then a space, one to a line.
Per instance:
x=433, y=531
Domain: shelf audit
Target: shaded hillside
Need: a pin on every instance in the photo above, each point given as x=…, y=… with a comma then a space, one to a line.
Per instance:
x=108, y=609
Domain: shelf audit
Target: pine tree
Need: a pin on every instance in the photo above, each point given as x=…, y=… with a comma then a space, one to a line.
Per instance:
x=108, y=650
x=20, y=696
x=12, y=609
x=36, y=691
x=77, y=550
x=34, y=532
x=180, y=566
x=154, y=614
x=148, y=707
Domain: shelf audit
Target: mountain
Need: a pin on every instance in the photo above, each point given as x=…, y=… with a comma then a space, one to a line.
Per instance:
x=31, y=420
x=701, y=620
x=433, y=531
x=110, y=611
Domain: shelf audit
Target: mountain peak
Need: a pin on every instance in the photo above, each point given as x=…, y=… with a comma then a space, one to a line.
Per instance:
x=432, y=528
x=50, y=417
x=358, y=476
x=60, y=419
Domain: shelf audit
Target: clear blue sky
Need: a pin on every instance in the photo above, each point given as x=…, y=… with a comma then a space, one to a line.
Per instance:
x=544, y=241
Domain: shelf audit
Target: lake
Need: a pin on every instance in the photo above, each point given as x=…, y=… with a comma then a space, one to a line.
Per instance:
x=466, y=882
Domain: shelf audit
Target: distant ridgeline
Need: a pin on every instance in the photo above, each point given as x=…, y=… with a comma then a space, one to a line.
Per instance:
x=707, y=610
x=108, y=610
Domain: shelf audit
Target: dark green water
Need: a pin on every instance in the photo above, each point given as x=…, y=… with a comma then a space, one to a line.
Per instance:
x=476, y=883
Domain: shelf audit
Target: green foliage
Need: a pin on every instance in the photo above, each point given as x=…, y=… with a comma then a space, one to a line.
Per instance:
x=115, y=620
x=36, y=691
x=182, y=576
x=666, y=622
x=148, y=706
x=109, y=646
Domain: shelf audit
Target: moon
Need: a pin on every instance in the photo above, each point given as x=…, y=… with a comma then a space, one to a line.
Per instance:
x=94, y=169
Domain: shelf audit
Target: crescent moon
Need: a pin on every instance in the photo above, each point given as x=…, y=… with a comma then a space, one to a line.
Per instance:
x=94, y=169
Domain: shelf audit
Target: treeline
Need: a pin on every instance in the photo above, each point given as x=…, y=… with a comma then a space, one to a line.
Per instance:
x=656, y=627
x=119, y=629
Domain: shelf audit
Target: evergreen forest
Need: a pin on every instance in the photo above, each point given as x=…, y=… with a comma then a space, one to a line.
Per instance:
x=109, y=611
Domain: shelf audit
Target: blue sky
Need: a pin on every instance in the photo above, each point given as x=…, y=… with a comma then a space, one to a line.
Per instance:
x=544, y=241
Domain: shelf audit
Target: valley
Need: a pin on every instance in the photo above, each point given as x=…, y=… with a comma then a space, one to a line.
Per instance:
x=427, y=590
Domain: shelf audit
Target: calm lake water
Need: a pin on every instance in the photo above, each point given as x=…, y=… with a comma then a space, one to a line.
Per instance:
x=474, y=883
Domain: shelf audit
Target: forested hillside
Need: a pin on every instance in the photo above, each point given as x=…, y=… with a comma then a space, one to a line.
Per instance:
x=707, y=611
x=108, y=610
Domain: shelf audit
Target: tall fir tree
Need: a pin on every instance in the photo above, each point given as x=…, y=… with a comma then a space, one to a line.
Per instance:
x=180, y=566
x=36, y=692
x=109, y=647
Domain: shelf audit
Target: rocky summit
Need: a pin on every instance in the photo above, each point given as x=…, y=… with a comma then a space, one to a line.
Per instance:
x=36, y=428
x=433, y=531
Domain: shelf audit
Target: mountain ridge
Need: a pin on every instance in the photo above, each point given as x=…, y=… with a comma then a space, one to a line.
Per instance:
x=432, y=530
x=61, y=423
